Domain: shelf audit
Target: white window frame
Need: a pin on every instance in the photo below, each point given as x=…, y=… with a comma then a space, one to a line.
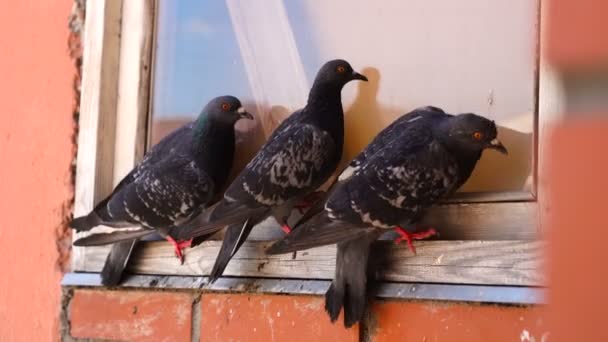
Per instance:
x=113, y=125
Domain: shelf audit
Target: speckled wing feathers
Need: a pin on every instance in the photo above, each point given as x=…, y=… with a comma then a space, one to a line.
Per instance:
x=404, y=171
x=291, y=164
x=164, y=195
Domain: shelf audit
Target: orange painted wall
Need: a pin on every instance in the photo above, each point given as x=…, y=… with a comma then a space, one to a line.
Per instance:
x=578, y=39
x=578, y=232
x=36, y=104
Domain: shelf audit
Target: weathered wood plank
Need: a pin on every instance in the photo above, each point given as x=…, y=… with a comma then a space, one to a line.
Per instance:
x=488, y=197
x=484, y=221
x=134, y=85
x=462, y=262
x=551, y=110
x=475, y=221
x=97, y=122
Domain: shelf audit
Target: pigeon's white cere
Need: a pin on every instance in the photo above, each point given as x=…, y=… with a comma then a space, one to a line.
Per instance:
x=241, y=110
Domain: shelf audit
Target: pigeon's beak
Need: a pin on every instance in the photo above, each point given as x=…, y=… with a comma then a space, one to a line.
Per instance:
x=358, y=76
x=498, y=146
x=243, y=114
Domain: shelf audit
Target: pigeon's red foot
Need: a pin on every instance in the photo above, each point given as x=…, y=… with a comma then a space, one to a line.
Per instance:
x=179, y=246
x=308, y=201
x=410, y=237
x=286, y=228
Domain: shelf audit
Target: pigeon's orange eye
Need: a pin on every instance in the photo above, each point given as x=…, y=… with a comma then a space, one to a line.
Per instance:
x=340, y=69
x=477, y=135
x=225, y=107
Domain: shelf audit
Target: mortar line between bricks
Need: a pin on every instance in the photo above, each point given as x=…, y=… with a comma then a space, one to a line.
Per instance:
x=363, y=335
x=195, y=335
x=64, y=316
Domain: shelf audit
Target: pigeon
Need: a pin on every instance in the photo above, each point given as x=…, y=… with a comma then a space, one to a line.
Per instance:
x=300, y=155
x=420, y=158
x=174, y=181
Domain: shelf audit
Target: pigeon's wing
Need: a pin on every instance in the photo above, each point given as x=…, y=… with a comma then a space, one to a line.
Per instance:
x=393, y=131
x=174, y=143
x=399, y=181
x=170, y=145
x=290, y=165
x=293, y=162
x=163, y=195
x=369, y=190
x=418, y=176
x=100, y=239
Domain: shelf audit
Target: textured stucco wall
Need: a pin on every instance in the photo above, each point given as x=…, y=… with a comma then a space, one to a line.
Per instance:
x=36, y=127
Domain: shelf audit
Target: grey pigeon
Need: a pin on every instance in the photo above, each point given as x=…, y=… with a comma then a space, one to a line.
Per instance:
x=174, y=181
x=300, y=155
x=420, y=158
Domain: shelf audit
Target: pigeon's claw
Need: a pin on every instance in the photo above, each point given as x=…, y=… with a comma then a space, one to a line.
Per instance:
x=286, y=228
x=410, y=237
x=308, y=201
x=179, y=246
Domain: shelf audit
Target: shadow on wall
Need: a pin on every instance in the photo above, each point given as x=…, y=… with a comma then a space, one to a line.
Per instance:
x=366, y=117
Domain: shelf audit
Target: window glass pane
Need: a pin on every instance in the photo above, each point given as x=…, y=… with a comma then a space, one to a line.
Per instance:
x=464, y=56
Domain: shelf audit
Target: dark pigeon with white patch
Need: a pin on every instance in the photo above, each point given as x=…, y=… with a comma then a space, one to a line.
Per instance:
x=173, y=182
x=300, y=155
x=420, y=158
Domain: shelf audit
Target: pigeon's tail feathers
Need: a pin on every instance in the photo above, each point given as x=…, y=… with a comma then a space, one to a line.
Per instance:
x=349, y=287
x=116, y=262
x=87, y=222
x=334, y=300
x=318, y=231
x=114, y=237
x=216, y=217
x=234, y=237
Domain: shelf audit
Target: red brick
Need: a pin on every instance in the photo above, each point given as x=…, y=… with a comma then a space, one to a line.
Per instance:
x=131, y=315
x=227, y=317
x=437, y=321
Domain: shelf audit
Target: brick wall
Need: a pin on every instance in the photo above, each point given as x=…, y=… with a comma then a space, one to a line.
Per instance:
x=189, y=316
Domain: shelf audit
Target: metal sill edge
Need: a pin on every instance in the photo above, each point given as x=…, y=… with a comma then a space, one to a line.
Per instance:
x=517, y=295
